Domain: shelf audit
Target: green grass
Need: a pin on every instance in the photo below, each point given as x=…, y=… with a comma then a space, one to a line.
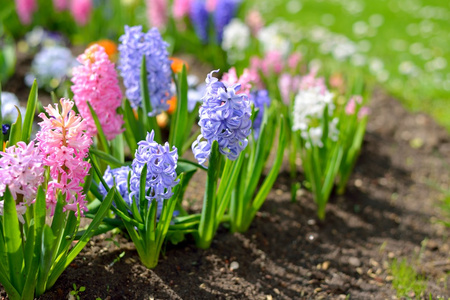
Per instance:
x=406, y=281
x=414, y=50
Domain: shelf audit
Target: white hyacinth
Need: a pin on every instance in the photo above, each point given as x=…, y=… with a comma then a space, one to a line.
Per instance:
x=272, y=38
x=309, y=104
x=236, y=39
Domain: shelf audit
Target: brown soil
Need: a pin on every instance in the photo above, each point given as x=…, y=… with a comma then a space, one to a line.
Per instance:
x=390, y=210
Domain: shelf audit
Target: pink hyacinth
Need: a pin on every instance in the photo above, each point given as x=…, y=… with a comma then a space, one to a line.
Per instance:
x=211, y=5
x=60, y=5
x=288, y=86
x=311, y=81
x=364, y=111
x=95, y=81
x=25, y=9
x=22, y=171
x=272, y=63
x=64, y=144
x=181, y=8
x=246, y=80
x=157, y=12
x=293, y=60
x=255, y=21
x=81, y=10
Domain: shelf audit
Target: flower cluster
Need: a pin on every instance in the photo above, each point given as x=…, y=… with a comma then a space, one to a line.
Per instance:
x=134, y=45
x=9, y=104
x=22, y=171
x=64, y=144
x=50, y=67
x=225, y=10
x=119, y=178
x=259, y=98
x=95, y=81
x=25, y=9
x=354, y=106
x=161, y=175
x=81, y=10
x=236, y=39
x=310, y=102
x=309, y=107
x=225, y=118
x=200, y=19
x=245, y=80
x=181, y=8
x=157, y=12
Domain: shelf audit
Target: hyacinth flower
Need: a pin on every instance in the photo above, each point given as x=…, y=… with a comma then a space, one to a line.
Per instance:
x=157, y=12
x=145, y=67
x=200, y=19
x=225, y=122
x=40, y=241
x=50, y=67
x=81, y=10
x=25, y=10
x=64, y=142
x=245, y=199
x=181, y=8
x=224, y=12
x=353, y=126
x=149, y=191
x=317, y=137
x=98, y=97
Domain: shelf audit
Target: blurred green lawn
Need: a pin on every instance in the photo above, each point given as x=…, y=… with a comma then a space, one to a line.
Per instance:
x=402, y=44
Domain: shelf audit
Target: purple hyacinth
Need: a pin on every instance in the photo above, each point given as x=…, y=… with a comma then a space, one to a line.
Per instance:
x=259, y=98
x=200, y=19
x=120, y=177
x=134, y=44
x=225, y=11
x=161, y=175
x=225, y=118
x=5, y=128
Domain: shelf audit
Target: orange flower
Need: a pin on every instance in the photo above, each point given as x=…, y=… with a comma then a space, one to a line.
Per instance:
x=172, y=104
x=177, y=64
x=162, y=119
x=110, y=48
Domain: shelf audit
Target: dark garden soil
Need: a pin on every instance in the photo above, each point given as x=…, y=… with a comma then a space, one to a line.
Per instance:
x=390, y=210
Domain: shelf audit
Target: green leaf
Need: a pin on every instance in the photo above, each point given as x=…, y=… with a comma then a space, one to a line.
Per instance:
x=108, y=158
x=13, y=242
x=207, y=224
x=132, y=132
x=16, y=130
x=271, y=177
x=121, y=205
x=227, y=185
x=143, y=202
x=186, y=166
x=103, y=143
x=64, y=262
x=29, y=114
x=178, y=130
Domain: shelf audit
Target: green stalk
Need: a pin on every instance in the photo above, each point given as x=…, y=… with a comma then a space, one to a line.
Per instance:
x=206, y=228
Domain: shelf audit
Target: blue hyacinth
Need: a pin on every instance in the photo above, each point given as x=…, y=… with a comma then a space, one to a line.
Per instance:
x=225, y=11
x=200, y=19
x=118, y=176
x=161, y=175
x=134, y=44
x=225, y=118
x=259, y=98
